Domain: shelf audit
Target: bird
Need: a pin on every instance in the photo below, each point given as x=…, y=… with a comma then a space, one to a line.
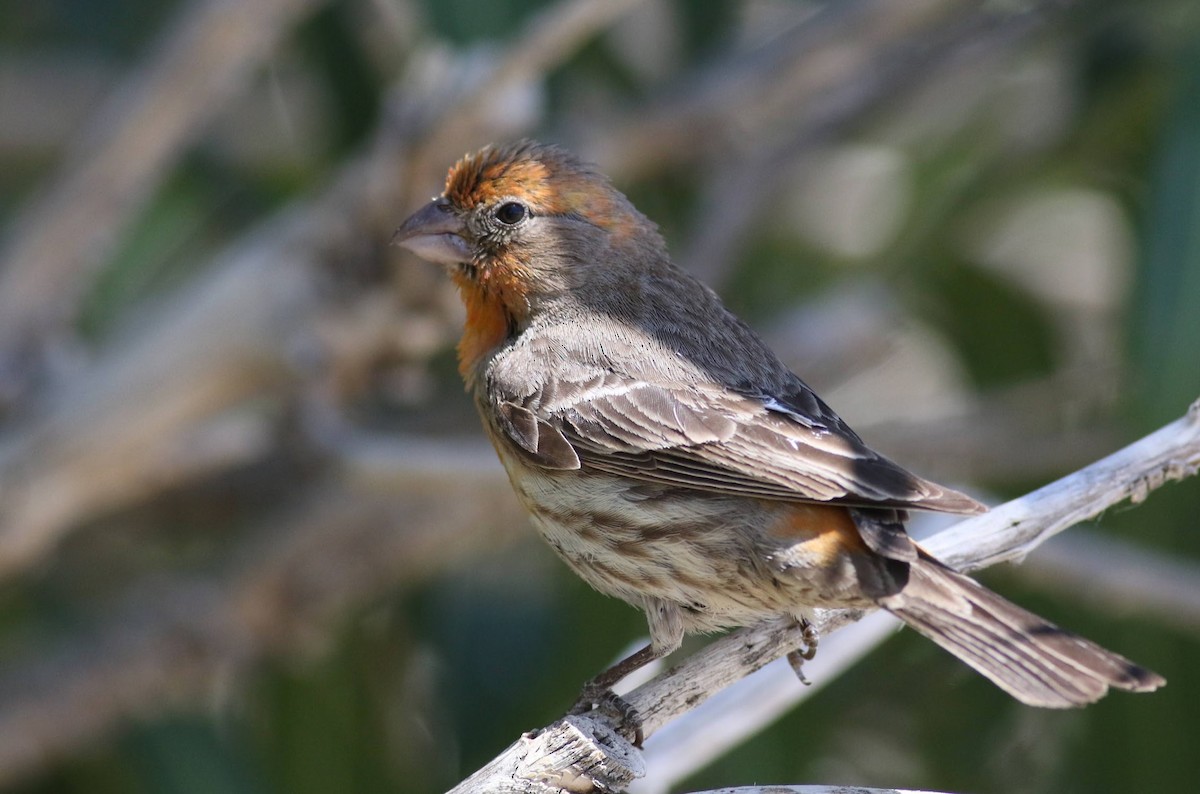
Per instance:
x=673, y=461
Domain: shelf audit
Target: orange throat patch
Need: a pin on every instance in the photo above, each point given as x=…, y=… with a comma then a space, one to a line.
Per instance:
x=496, y=303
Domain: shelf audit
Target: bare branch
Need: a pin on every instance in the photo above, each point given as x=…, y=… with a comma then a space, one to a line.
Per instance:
x=730, y=717
x=1014, y=529
x=576, y=754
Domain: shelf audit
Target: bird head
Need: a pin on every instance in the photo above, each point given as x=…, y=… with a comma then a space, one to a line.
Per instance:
x=524, y=227
x=523, y=221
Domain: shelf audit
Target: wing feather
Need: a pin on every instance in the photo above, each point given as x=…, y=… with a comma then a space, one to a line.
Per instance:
x=790, y=447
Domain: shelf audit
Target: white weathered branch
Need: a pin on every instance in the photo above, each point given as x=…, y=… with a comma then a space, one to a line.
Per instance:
x=576, y=754
x=733, y=715
x=1014, y=529
x=1008, y=532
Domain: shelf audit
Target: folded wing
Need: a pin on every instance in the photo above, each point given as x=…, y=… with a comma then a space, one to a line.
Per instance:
x=786, y=447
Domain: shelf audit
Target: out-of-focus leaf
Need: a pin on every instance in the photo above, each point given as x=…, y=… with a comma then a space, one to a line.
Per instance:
x=706, y=25
x=1003, y=334
x=354, y=87
x=327, y=731
x=775, y=274
x=185, y=755
x=466, y=20
x=151, y=249
x=1166, y=324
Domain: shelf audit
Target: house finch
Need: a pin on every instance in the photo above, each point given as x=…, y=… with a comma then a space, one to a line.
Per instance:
x=672, y=460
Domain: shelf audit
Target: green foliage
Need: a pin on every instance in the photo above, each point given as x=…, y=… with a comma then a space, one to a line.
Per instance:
x=188, y=755
x=1166, y=318
x=1003, y=335
x=321, y=726
x=777, y=273
x=328, y=38
x=463, y=21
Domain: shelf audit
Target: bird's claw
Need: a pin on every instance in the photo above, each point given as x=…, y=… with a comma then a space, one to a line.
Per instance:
x=798, y=656
x=603, y=699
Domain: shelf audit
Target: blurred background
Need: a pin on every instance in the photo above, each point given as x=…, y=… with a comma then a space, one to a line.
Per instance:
x=251, y=539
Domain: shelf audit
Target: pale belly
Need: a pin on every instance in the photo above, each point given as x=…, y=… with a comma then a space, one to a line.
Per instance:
x=708, y=556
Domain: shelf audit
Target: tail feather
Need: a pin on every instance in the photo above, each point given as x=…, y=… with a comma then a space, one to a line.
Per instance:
x=1033, y=660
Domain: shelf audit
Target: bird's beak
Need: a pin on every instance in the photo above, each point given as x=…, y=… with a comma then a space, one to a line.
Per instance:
x=435, y=232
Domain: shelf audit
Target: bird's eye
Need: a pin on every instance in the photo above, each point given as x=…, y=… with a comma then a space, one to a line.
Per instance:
x=511, y=213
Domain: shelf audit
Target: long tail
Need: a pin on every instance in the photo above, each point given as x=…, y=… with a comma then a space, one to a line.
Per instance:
x=1030, y=658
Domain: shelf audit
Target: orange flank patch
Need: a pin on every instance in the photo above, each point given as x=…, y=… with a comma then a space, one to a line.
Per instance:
x=823, y=531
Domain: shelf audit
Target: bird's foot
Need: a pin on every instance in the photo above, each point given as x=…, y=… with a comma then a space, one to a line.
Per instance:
x=600, y=698
x=798, y=656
